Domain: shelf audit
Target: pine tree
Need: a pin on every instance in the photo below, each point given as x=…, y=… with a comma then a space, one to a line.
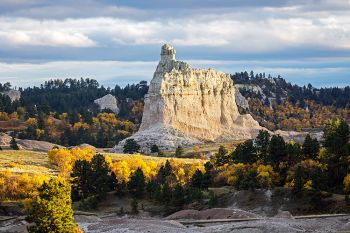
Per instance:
x=51, y=211
x=92, y=178
x=197, y=179
x=277, y=150
x=262, y=144
x=121, y=188
x=166, y=193
x=154, y=149
x=13, y=144
x=222, y=156
x=131, y=146
x=179, y=151
x=245, y=153
x=136, y=184
x=164, y=172
x=178, y=196
x=311, y=147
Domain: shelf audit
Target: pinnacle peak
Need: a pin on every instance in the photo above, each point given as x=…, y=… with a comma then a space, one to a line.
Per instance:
x=167, y=52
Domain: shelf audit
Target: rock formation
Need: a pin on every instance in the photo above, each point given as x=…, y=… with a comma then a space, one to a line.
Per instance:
x=108, y=102
x=189, y=106
x=13, y=94
x=241, y=101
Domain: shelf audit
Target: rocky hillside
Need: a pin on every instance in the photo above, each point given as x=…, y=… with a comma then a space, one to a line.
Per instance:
x=279, y=105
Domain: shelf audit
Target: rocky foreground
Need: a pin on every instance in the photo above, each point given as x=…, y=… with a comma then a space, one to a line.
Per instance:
x=271, y=225
x=211, y=220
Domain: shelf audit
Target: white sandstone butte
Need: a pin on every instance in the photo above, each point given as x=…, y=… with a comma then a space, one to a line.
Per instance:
x=108, y=102
x=187, y=106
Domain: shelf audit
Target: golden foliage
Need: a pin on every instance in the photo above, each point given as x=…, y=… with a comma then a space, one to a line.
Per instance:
x=19, y=186
x=4, y=116
x=346, y=183
x=123, y=168
x=266, y=176
x=65, y=158
x=288, y=116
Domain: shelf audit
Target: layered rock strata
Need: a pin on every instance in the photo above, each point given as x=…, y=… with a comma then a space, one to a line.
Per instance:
x=187, y=106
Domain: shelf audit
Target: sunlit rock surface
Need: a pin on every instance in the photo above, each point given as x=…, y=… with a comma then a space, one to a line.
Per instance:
x=108, y=102
x=187, y=106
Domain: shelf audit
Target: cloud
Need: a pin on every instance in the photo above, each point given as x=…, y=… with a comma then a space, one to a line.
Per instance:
x=253, y=30
x=272, y=30
x=29, y=32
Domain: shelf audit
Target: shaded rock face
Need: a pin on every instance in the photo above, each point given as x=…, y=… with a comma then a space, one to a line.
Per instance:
x=13, y=94
x=188, y=106
x=108, y=102
x=241, y=101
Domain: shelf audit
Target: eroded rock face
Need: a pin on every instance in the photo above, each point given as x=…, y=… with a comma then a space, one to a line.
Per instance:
x=108, y=102
x=13, y=94
x=188, y=106
x=241, y=101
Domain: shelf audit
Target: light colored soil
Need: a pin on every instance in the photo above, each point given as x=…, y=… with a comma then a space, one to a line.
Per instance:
x=215, y=213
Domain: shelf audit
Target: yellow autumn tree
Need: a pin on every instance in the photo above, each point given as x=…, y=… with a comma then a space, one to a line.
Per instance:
x=346, y=183
x=65, y=158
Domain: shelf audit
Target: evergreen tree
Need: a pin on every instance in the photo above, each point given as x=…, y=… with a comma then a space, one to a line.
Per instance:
x=222, y=156
x=164, y=172
x=245, y=153
x=131, y=146
x=52, y=210
x=294, y=151
x=13, y=144
x=121, y=188
x=92, y=178
x=151, y=188
x=298, y=179
x=179, y=151
x=311, y=147
x=336, y=140
x=178, y=196
x=197, y=179
x=81, y=175
x=102, y=179
x=207, y=177
x=154, y=149
x=336, y=137
x=277, y=150
x=262, y=144
x=166, y=193
x=136, y=184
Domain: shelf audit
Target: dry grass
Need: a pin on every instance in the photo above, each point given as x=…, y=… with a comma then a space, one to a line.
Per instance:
x=12, y=125
x=23, y=161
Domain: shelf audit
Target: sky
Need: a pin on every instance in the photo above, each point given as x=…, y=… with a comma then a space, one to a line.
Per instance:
x=118, y=41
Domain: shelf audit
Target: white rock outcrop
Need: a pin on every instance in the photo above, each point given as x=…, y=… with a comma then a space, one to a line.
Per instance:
x=187, y=106
x=108, y=102
x=241, y=101
x=13, y=94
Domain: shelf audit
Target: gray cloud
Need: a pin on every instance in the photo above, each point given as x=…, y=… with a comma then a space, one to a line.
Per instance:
x=45, y=30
